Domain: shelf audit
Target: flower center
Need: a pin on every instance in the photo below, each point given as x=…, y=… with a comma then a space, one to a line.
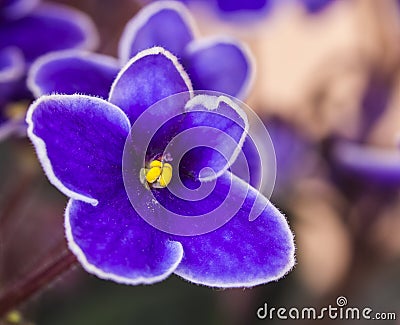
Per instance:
x=158, y=175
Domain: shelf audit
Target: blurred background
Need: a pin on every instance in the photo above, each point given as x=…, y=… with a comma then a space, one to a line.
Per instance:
x=327, y=88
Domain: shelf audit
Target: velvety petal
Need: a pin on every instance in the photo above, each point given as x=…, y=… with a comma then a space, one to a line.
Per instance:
x=79, y=141
x=49, y=28
x=150, y=76
x=314, y=6
x=368, y=163
x=216, y=129
x=114, y=243
x=70, y=72
x=12, y=67
x=219, y=64
x=167, y=24
x=241, y=253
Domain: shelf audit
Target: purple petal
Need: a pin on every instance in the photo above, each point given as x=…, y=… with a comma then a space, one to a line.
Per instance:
x=11, y=127
x=241, y=253
x=79, y=141
x=215, y=122
x=14, y=9
x=114, y=243
x=374, y=103
x=368, y=163
x=49, y=28
x=167, y=24
x=12, y=68
x=240, y=5
x=220, y=64
x=315, y=6
x=291, y=147
x=150, y=76
x=70, y=72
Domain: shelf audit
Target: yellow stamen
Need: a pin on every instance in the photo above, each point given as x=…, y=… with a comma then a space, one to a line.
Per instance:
x=14, y=317
x=153, y=174
x=156, y=163
x=166, y=175
x=159, y=174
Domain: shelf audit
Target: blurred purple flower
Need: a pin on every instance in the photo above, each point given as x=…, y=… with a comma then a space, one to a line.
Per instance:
x=295, y=158
x=315, y=6
x=357, y=158
x=29, y=30
x=368, y=163
x=218, y=63
x=235, y=10
x=246, y=10
x=13, y=9
x=240, y=5
x=80, y=141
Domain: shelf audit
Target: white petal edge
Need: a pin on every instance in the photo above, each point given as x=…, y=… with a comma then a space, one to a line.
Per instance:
x=212, y=103
x=285, y=270
x=110, y=276
x=143, y=16
x=207, y=42
x=60, y=55
x=91, y=37
x=41, y=150
x=154, y=51
x=15, y=70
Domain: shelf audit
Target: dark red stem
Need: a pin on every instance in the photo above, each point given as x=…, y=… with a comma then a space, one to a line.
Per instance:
x=12, y=296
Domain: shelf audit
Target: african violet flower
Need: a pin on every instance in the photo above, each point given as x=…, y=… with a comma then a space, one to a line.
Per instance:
x=291, y=146
x=246, y=9
x=29, y=30
x=217, y=63
x=80, y=142
x=315, y=6
x=369, y=163
x=359, y=159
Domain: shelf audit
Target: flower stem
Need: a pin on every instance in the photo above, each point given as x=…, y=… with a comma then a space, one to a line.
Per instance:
x=22, y=290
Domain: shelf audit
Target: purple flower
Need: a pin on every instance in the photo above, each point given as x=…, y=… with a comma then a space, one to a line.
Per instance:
x=244, y=10
x=240, y=5
x=80, y=142
x=235, y=10
x=291, y=147
x=29, y=30
x=315, y=6
x=218, y=63
x=13, y=9
x=363, y=161
x=368, y=163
